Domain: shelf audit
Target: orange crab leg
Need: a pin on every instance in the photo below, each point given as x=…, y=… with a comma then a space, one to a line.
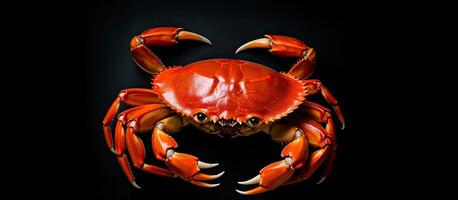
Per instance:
x=163, y=36
x=314, y=86
x=320, y=138
x=185, y=166
x=137, y=119
x=287, y=47
x=320, y=114
x=130, y=97
x=294, y=154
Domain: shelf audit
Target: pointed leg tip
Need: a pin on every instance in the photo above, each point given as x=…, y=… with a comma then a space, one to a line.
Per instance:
x=206, y=41
x=208, y=185
x=321, y=180
x=213, y=185
x=204, y=177
x=203, y=184
x=220, y=174
x=343, y=127
x=204, y=165
x=256, y=190
x=186, y=35
x=112, y=150
x=241, y=48
x=241, y=192
x=254, y=180
x=258, y=43
x=135, y=185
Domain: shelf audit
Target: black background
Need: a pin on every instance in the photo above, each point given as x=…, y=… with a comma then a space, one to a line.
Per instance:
x=109, y=68
x=87, y=62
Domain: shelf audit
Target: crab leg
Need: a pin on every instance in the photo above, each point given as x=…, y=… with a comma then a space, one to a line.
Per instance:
x=138, y=119
x=130, y=97
x=294, y=156
x=315, y=86
x=287, y=47
x=163, y=36
x=322, y=115
x=185, y=166
x=319, y=138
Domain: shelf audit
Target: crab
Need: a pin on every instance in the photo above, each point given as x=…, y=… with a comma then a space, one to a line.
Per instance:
x=224, y=97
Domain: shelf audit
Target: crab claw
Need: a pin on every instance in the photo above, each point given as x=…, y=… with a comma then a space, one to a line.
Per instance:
x=188, y=168
x=270, y=177
x=167, y=36
x=263, y=43
x=278, y=45
x=186, y=35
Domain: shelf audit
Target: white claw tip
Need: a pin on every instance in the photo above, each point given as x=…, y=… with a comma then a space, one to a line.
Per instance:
x=241, y=192
x=186, y=35
x=112, y=150
x=254, y=180
x=208, y=185
x=205, y=40
x=203, y=165
x=135, y=185
x=236, y=52
x=259, y=43
x=321, y=180
x=220, y=174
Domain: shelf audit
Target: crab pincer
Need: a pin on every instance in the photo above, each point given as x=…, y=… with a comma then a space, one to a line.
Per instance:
x=278, y=173
x=162, y=36
x=183, y=165
x=189, y=168
x=269, y=178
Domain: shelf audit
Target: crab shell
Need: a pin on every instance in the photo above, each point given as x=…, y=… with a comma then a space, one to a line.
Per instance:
x=229, y=89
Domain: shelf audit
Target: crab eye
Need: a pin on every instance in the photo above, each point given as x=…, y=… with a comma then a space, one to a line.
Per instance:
x=200, y=117
x=254, y=121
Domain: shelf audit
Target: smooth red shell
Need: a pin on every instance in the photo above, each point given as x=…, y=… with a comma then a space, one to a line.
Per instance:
x=229, y=89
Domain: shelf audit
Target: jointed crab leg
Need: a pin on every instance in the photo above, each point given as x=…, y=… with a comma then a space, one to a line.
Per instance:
x=299, y=132
x=322, y=115
x=130, y=97
x=319, y=114
x=287, y=47
x=294, y=156
x=185, y=166
x=138, y=120
x=314, y=86
x=163, y=36
x=318, y=137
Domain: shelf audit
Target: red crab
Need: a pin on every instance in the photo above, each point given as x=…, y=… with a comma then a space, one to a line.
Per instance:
x=225, y=97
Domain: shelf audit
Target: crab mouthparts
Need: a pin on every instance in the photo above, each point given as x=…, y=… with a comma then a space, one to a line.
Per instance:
x=228, y=127
x=229, y=123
